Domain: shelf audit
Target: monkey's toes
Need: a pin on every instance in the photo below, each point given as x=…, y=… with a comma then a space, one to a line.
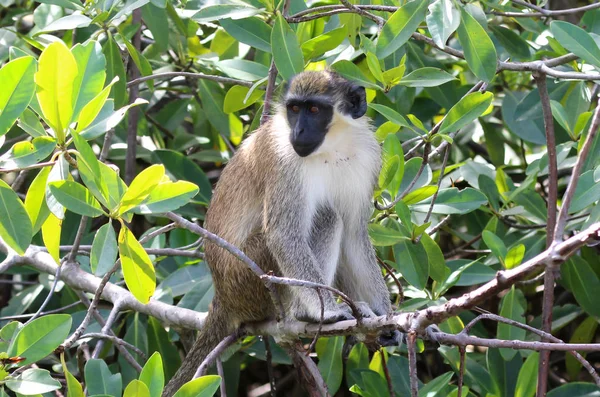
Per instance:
x=333, y=316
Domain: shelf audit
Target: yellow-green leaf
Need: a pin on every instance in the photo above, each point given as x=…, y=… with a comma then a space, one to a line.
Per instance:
x=141, y=187
x=35, y=201
x=92, y=108
x=74, y=388
x=137, y=267
x=15, y=225
x=17, y=90
x=51, y=235
x=56, y=74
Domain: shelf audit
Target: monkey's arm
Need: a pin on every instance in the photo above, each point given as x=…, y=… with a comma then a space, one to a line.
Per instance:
x=359, y=274
x=287, y=228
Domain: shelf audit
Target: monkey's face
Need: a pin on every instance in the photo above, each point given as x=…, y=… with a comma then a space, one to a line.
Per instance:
x=309, y=121
x=311, y=101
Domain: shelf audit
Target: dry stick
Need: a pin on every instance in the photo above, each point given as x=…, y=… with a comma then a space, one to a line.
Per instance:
x=271, y=81
x=439, y=225
x=494, y=317
x=216, y=353
x=411, y=341
x=307, y=369
x=461, y=370
x=115, y=340
x=114, y=312
x=221, y=373
x=219, y=242
x=390, y=271
x=386, y=372
x=30, y=167
x=134, y=114
x=202, y=76
x=25, y=316
x=542, y=12
x=150, y=251
x=48, y=297
x=548, y=294
x=321, y=319
x=378, y=20
x=568, y=196
x=269, y=360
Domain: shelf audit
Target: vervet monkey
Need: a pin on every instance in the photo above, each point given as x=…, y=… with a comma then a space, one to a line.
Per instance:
x=296, y=198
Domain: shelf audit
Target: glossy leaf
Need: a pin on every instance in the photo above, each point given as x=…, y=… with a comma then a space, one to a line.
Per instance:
x=465, y=111
x=33, y=381
x=400, y=26
x=153, y=376
x=426, y=77
x=286, y=51
x=479, y=49
x=330, y=362
x=51, y=230
x=351, y=72
x=104, y=250
x=99, y=379
x=168, y=197
x=411, y=261
x=235, y=99
x=138, y=270
x=223, y=11
x=15, y=225
x=35, y=201
x=26, y=153
x=453, y=201
x=74, y=388
x=576, y=40
x=76, y=198
x=383, y=236
x=319, y=45
x=528, y=375
x=136, y=389
x=115, y=68
x=40, y=337
x=55, y=78
x=141, y=187
x=512, y=306
x=90, y=77
x=443, y=19
x=204, y=386
x=17, y=90
x=583, y=283
x=252, y=31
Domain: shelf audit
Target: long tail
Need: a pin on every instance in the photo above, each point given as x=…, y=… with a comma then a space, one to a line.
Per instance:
x=215, y=329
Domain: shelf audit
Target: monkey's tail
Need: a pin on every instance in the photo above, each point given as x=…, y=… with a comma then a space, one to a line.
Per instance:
x=214, y=330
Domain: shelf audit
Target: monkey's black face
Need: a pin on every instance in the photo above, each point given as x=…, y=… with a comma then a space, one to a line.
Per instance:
x=309, y=120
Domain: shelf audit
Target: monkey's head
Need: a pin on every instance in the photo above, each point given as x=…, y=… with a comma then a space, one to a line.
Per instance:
x=312, y=99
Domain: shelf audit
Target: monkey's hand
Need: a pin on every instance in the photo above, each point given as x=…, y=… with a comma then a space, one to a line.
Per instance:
x=390, y=338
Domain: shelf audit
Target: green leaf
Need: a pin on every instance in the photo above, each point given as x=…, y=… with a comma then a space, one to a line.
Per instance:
x=40, y=337
x=91, y=110
x=392, y=148
x=30, y=123
x=115, y=68
x=426, y=77
x=330, y=362
x=74, y=388
x=576, y=40
x=17, y=91
x=443, y=19
x=419, y=194
x=350, y=71
x=437, y=264
x=167, y=197
x=51, y=230
x=319, y=45
x=388, y=171
x=411, y=261
x=153, y=376
x=55, y=78
x=466, y=110
x=15, y=225
x=512, y=42
x=33, y=381
x=583, y=282
x=358, y=358
x=91, y=75
x=453, y=201
x=99, y=379
x=138, y=270
x=104, y=250
x=495, y=244
x=242, y=69
x=235, y=99
x=400, y=26
x=68, y=22
x=251, y=31
x=512, y=306
x=528, y=375
x=433, y=387
x=89, y=169
x=114, y=185
x=76, y=198
x=479, y=49
x=141, y=187
x=384, y=236
x=560, y=115
x=390, y=114
x=204, y=386
x=575, y=389
x=212, y=103
x=224, y=11
x=136, y=389
x=584, y=333
x=108, y=118
x=587, y=192
x=375, y=67
x=514, y=256
x=286, y=51
x=182, y=168
x=26, y=153
x=35, y=201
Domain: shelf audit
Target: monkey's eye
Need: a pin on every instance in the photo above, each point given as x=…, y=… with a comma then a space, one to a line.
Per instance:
x=314, y=109
x=295, y=108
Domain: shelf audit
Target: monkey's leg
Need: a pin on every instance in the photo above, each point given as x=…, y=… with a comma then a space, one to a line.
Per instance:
x=325, y=241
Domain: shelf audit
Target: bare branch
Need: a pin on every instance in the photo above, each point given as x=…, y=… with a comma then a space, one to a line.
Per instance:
x=411, y=341
x=202, y=76
x=216, y=353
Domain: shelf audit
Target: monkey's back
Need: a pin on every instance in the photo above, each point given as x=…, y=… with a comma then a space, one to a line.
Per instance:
x=235, y=214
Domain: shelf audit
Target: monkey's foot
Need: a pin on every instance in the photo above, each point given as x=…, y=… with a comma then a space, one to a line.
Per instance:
x=390, y=338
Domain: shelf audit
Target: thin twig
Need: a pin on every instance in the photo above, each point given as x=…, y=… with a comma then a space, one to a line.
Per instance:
x=115, y=340
x=48, y=297
x=269, y=360
x=461, y=369
x=30, y=167
x=411, y=342
x=216, y=352
x=114, y=312
x=54, y=311
x=221, y=373
x=202, y=76
x=390, y=271
x=386, y=372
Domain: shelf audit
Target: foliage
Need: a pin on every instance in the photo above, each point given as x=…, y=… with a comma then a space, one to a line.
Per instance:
x=92, y=156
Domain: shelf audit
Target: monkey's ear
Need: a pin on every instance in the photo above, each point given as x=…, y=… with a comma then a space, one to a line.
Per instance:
x=358, y=101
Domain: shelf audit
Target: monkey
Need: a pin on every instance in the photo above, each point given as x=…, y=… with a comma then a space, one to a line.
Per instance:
x=296, y=198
